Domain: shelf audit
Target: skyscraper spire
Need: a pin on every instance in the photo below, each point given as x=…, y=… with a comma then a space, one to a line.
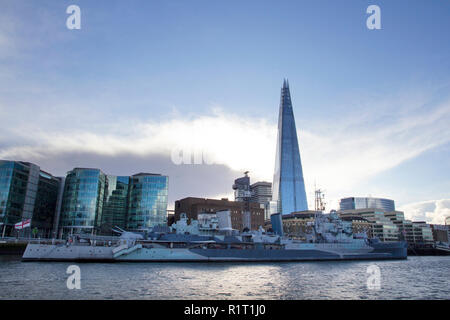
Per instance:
x=288, y=182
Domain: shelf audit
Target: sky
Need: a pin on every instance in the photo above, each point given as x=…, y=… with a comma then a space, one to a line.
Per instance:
x=142, y=81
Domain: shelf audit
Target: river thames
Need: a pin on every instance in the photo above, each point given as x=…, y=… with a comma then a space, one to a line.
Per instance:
x=414, y=278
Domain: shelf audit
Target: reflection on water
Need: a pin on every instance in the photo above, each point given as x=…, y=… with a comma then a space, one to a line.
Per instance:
x=415, y=278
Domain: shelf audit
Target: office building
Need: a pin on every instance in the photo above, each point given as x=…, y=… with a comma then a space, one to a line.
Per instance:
x=383, y=227
x=116, y=203
x=262, y=194
x=27, y=192
x=360, y=225
x=392, y=225
x=288, y=182
x=83, y=200
x=148, y=201
x=46, y=205
x=441, y=233
x=422, y=232
x=405, y=227
x=94, y=202
x=411, y=231
x=354, y=203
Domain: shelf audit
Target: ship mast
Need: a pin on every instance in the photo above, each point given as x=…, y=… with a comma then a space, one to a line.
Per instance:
x=319, y=197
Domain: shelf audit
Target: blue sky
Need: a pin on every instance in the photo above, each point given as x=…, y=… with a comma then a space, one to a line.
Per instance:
x=141, y=77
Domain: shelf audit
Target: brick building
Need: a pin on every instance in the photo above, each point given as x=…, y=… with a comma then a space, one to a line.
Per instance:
x=193, y=206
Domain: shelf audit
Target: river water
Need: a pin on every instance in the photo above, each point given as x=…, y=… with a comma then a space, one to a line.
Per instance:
x=414, y=278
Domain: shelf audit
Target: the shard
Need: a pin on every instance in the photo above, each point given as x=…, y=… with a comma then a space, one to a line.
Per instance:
x=288, y=183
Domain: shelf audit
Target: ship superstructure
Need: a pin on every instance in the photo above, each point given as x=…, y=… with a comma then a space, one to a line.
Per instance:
x=331, y=239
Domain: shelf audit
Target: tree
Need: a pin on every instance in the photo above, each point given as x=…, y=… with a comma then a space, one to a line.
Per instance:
x=34, y=232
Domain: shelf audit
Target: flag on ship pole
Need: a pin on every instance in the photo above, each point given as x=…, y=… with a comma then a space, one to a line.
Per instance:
x=23, y=224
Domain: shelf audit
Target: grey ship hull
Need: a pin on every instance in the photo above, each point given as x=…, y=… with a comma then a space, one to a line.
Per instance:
x=308, y=252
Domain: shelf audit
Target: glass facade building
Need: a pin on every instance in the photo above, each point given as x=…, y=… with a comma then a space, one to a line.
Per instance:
x=26, y=192
x=116, y=203
x=95, y=202
x=353, y=203
x=86, y=201
x=83, y=200
x=147, y=201
x=13, y=184
x=288, y=182
x=45, y=205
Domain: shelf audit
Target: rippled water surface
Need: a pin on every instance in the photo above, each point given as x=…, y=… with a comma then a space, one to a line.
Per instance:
x=415, y=278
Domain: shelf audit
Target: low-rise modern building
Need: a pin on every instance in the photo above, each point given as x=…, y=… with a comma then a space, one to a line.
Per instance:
x=355, y=203
x=27, y=193
x=405, y=227
x=392, y=225
x=382, y=228
x=296, y=224
x=360, y=225
x=193, y=206
x=422, y=232
x=412, y=232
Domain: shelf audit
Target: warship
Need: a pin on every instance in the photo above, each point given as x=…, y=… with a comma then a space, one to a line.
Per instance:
x=215, y=241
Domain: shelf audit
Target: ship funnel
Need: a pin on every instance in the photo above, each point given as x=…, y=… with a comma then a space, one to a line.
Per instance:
x=277, y=223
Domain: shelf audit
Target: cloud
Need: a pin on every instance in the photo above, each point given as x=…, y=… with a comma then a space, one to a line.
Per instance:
x=335, y=155
x=226, y=139
x=209, y=181
x=358, y=151
x=432, y=211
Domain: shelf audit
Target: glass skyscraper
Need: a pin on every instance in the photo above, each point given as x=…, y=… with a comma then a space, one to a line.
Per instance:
x=95, y=202
x=45, y=205
x=148, y=201
x=27, y=192
x=116, y=203
x=83, y=199
x=288, y=183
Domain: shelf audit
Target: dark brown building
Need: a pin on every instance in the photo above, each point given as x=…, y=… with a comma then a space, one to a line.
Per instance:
x=193, y=206
x=441, y=233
